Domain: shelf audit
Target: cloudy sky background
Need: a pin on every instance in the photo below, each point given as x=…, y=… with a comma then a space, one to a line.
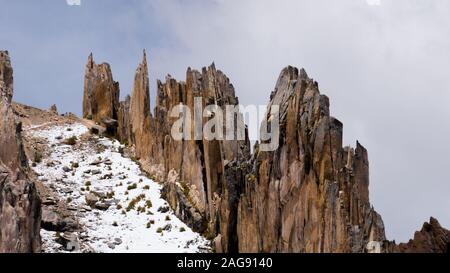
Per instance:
x=385, y=68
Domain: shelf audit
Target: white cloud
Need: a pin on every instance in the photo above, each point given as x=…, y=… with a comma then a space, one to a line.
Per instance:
x=73, y=2
x=373, y=2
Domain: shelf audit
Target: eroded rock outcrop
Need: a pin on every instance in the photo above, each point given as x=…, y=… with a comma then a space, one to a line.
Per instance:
x=139, y=110
x=19, y=202
x=311, y=194
x=195, y=167
x=101, y=95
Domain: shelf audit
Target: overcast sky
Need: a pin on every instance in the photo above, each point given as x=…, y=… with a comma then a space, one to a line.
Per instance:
x=383, y=63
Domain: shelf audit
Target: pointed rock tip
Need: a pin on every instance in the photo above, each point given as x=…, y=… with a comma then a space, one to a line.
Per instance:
x=295, y=72
x=434, y=221
x=289, y=71
x=144, y=60
x=168, y=77
x=360, y=147
x=303, y=74
x=211, y=67
x=91, y=60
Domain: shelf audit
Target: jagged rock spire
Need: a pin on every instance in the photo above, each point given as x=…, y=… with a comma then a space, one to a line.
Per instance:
x=307, y=176
x=90, y=63
x=139, y=115
x=144, y=60
x=101, y=94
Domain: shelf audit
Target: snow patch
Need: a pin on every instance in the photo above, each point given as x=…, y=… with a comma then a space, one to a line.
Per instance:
x=134, y=217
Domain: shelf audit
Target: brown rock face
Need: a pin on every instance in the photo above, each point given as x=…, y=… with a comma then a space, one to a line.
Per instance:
x=139, y=110
x=11, y=152
x=311, y=194
x=101, y=93
x=123, y=118
x=19, y=202
x=195, y=168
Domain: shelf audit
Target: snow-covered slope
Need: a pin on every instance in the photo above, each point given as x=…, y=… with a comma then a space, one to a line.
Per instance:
x=127, y=213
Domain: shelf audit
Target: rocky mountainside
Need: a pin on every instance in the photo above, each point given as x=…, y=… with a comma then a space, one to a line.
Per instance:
x=117, y=181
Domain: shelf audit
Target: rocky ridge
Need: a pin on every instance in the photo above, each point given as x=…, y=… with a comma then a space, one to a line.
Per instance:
x=309, y=195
